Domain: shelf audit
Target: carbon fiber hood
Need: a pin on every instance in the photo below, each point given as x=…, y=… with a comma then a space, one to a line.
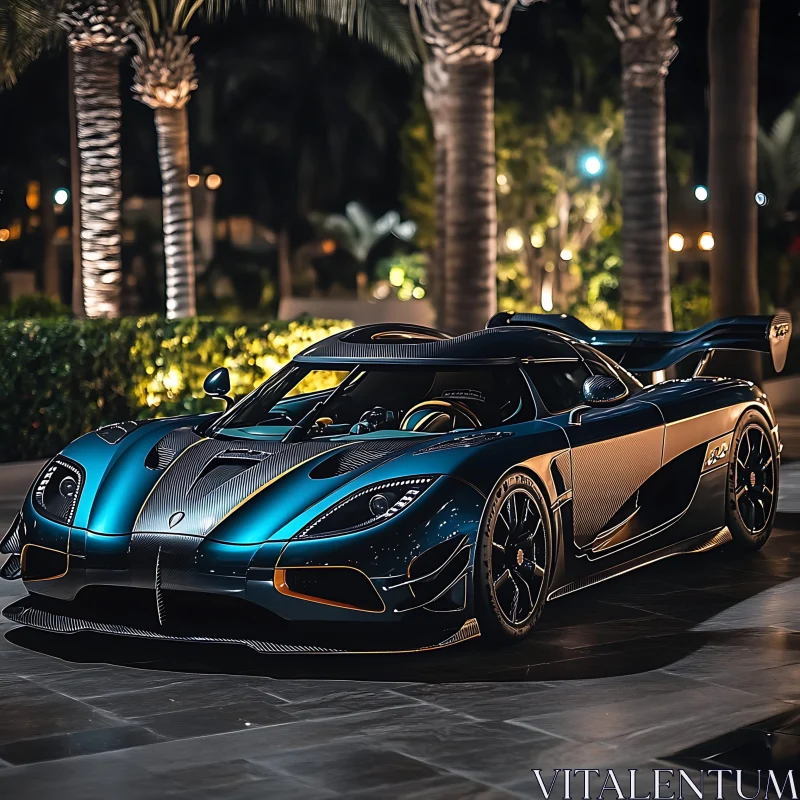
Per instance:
x=212, y=477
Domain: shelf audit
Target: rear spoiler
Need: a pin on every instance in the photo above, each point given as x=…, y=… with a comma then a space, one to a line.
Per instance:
x=650, y=351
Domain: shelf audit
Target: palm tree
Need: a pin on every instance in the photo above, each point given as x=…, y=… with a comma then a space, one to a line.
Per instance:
x=164, y=79
x=97, y=33
x=733, y=65
x=25, y=27
x=646, y=29
x=435, y=95
x=464, y=37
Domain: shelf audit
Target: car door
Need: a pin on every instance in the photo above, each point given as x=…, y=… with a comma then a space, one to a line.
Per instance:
x=613, y=450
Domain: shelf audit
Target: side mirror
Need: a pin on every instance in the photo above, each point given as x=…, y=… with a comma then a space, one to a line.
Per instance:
x=601, y=391
x=218, y=384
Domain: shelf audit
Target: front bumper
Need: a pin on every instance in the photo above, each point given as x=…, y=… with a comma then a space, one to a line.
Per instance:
x=392, y=589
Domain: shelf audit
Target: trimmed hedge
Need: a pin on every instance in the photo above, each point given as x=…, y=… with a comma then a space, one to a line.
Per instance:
x=63, y=377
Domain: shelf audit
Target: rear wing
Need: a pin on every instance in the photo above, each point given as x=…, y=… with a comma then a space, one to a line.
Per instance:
x=650, y=351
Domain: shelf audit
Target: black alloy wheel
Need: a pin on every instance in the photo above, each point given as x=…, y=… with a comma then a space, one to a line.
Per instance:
x=752, y=483
x=515, y=564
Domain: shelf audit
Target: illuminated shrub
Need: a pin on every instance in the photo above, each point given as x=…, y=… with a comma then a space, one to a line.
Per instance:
x=63, y=377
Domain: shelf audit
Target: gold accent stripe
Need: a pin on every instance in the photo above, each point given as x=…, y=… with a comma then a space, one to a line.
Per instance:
x=271, y=481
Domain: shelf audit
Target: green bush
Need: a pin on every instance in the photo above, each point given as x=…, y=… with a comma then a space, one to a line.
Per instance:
x=39, y=306
x=63, y=377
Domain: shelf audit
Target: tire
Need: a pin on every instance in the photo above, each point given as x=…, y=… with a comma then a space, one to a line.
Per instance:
x=751, y=495
x=515, y=559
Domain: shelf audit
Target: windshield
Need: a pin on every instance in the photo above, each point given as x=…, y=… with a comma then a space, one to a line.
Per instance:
x=365, y=399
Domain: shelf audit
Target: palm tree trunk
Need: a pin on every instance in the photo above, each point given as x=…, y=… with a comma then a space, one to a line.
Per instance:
x=733, y=61
x=51, y=273
x=471, y=205
x=98, y=112
x=435, y=95
x=284, y=265
x=78, y=309
x=645, y=260
x=172, y=127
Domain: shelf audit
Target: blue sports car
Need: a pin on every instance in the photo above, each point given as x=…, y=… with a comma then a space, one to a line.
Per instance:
x=436, y=489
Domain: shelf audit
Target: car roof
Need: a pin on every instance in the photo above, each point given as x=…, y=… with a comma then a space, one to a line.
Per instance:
x=413, y=344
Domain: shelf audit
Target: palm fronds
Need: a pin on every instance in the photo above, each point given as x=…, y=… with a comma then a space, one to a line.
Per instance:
x=26, y=27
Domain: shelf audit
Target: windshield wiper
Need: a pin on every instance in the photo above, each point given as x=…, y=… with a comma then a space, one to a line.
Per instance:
x=304, y=425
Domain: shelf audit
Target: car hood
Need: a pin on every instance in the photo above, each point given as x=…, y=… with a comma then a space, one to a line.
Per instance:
x=243, y=490
x=212, y=478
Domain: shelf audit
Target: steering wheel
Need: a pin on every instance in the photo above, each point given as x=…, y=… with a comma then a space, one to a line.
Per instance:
x=439, y=416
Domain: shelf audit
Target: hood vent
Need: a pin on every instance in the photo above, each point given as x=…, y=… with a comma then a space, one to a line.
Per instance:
x=167, y=449
x=357, y=456
x=223, y=468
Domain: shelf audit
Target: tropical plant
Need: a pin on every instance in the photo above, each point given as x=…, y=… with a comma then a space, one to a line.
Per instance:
x=779, y=181
x=164, y=79
x=733, y=29
x=779, y=163
x=25, y=27
x=357, y=232
x=646, y=29
x=97, y=33
x=464, y=38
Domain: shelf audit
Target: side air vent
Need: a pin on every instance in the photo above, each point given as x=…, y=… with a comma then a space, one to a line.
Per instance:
x=357, y=456
x=167, y=449
x=561, y=471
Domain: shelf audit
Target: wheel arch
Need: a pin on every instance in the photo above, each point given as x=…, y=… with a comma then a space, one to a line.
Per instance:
x=556, y=533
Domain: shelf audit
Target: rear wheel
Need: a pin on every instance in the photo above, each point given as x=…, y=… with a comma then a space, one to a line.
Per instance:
x=515, y=560
x=752, y=489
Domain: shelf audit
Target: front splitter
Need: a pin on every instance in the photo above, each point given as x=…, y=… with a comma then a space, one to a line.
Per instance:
x=24, y=612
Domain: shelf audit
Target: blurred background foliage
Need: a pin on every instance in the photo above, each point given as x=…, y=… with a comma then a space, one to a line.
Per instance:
x=126, y=369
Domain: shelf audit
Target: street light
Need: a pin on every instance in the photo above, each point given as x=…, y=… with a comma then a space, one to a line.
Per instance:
x=213, y=181
x=60, y=196
x=593, y=164
x=706, y=241
x=761, y=199
x=701, y=193
x=676, y=242
x=193, y=180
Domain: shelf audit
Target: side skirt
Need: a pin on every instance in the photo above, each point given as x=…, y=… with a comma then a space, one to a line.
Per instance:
x=697, y=544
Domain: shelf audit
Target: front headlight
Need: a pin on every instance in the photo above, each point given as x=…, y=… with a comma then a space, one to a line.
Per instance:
x=56, y=491
x=367, y=507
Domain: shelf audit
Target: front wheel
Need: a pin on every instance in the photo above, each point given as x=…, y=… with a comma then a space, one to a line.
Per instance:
x=515, y=563
x=752, y=488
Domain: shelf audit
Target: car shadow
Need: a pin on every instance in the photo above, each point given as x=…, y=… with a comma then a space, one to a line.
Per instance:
x=644, y=621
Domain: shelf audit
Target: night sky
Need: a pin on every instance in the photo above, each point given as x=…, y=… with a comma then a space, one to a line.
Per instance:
x=534, y=66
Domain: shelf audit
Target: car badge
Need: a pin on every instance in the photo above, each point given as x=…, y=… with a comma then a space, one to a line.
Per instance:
x=176, y=518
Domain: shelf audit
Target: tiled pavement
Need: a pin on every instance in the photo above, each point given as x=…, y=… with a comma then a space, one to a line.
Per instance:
x=620, y=675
